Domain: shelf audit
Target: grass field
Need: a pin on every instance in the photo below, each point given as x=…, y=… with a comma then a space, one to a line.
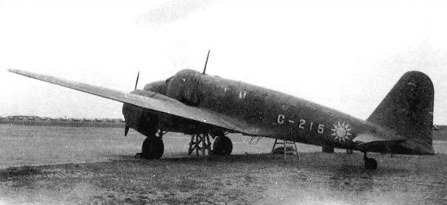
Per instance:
x=96, y=166
x=440, y=134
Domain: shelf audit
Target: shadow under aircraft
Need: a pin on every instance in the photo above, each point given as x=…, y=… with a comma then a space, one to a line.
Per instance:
x=205, y=107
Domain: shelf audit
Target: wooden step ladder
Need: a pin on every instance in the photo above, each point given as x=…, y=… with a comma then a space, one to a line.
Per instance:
x=287, y=150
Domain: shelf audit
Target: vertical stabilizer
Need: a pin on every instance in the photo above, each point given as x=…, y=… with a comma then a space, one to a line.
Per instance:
x=408, y=110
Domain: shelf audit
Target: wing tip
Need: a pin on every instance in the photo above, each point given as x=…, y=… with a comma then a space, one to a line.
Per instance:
x=22, y=72
x=12, y=70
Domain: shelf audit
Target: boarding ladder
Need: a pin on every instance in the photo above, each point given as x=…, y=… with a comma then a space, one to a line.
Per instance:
x=287, y=149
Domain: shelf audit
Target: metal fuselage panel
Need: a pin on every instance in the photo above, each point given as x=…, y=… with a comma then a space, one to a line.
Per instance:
x=290, y=117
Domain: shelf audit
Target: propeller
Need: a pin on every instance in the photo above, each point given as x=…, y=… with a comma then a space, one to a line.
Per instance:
x=126, y=128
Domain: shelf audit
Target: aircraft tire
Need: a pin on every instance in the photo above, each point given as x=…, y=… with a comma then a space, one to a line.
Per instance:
x=222, y=146
x=152, y=148
x=370, y=163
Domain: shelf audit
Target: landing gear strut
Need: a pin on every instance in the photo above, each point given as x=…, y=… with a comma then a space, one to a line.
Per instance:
x=370, y=163
x=200, y=143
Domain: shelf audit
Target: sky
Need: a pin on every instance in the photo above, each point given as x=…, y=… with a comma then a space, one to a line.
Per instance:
x=346, y=55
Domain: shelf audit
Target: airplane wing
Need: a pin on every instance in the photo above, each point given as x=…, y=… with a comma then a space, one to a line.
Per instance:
x=155, y=102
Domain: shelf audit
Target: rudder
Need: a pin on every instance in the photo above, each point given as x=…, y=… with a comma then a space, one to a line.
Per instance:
x=408, y=110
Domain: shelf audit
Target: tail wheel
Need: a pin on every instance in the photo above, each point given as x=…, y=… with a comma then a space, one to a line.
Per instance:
x=370, y=163
x=222, y=146
x=152, y=148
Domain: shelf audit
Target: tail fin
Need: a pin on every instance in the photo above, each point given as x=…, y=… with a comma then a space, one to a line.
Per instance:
x=408, y=110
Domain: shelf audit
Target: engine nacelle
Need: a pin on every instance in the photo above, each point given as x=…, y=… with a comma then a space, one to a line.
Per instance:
x=140, y=119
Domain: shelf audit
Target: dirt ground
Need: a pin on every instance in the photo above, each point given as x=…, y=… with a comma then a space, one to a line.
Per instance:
x=96, y=166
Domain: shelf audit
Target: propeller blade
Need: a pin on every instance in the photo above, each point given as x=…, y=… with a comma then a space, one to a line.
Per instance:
x=126, y=130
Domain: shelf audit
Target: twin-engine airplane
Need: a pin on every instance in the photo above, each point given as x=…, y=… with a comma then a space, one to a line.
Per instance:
x=201, y=105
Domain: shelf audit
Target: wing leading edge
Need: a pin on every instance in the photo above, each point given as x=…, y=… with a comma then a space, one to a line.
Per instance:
x=156, y=102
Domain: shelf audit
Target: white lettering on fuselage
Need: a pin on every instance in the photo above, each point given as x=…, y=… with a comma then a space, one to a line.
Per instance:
x=280, y=119
x=320, y=128
x=242, y=94
x=303, y=124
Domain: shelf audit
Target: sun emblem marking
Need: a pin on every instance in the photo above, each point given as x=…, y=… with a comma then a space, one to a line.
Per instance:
x=341, y=132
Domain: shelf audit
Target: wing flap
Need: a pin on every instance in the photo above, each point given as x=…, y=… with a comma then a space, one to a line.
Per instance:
x=155, y=102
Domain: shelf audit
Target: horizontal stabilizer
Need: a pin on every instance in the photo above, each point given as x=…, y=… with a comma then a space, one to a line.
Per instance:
x=367, y=142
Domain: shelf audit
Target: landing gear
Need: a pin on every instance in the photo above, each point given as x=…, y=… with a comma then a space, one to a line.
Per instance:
x=200, y=143
x=222, y=146
x=370, y=163
x=152, y=148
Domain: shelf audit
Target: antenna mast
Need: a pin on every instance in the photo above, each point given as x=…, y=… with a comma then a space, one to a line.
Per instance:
x=136, y=82
x=206, y=62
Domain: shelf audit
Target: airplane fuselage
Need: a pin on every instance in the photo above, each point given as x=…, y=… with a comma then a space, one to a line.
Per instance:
x=285, y=116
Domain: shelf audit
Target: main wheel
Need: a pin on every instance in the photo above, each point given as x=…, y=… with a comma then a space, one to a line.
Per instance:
x=370, y=163
x=222, y=146
x=152, y=148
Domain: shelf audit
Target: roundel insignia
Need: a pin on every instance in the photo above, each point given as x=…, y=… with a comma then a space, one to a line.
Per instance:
x=341, y=132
